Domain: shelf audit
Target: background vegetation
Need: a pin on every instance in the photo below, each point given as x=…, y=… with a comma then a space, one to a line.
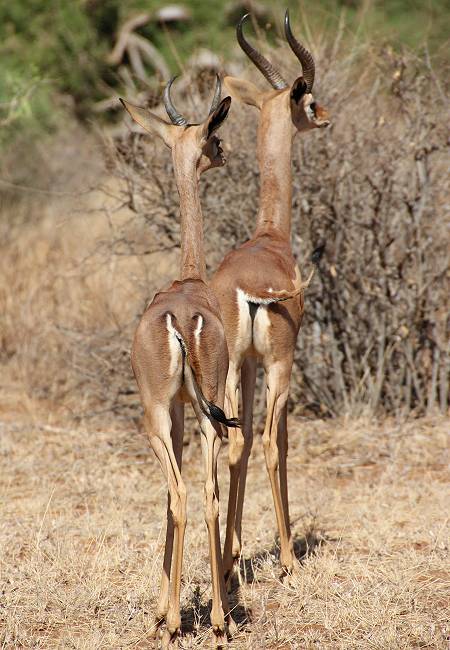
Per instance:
x=85, y=246
x=54, y=52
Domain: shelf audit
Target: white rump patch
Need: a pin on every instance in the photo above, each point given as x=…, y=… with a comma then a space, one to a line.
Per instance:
x=258, y=332
x=198, y=329
x=244, y=333
x=175, y=340
x=257, y=301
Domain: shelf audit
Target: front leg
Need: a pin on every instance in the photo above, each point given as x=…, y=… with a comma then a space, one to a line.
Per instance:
x=282, y=470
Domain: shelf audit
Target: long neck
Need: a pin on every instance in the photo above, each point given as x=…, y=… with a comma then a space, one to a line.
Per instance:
x=275, y=158
x=192, y=250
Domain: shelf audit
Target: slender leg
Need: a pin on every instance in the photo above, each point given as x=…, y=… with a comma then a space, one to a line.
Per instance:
x=235, y=450
x=248, y=381
x=277, y=392
x=177, y=417
x=211, y=438
x=232, y=627
x=158, y=426
x=283, y=452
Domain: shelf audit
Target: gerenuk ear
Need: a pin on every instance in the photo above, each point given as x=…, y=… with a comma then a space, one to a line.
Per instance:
x=151, y=123
x=244, y=91
x=298, y=90
x=216, y=119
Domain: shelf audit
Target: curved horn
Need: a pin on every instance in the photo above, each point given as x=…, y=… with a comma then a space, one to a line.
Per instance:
x=271, y=74
x=217, y=93
x=175, y=116
x=301, y=53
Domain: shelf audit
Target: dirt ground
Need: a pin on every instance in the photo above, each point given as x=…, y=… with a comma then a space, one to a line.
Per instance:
x=82, y=530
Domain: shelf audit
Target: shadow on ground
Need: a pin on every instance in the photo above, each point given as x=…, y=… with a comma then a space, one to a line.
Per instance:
x=304, y=546
x=196, y=615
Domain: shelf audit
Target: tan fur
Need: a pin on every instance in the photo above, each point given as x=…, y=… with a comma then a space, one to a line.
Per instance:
x=262, y=268
x=180, y=354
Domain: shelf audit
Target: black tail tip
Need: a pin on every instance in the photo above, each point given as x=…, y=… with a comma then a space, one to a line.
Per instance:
x=317, y=254
x=217, y=414
x=233, y=422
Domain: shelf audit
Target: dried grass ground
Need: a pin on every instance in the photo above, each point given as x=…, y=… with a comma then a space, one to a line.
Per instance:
x=82, y=528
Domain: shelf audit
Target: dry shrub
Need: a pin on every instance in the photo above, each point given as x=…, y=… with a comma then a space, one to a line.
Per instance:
x=56, y=290
x=376, y=326
x=373, y=187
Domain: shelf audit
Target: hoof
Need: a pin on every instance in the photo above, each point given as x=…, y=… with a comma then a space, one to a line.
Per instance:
x=290, y=571
x=220, y=639
x=155, y=630
x=169, y=641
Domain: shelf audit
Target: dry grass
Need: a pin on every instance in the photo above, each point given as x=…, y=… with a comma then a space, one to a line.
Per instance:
x=82, y=527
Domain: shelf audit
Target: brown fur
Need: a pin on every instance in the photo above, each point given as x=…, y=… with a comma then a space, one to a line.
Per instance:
x=180, y=354
x=184, y=300
x=259, y=268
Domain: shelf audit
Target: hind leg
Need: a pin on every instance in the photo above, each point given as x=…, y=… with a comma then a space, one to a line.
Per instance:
x=278, y=376
x=158, y=425
x=235, y=451
x=177, y=431
x=248, y=381
x=211, y=442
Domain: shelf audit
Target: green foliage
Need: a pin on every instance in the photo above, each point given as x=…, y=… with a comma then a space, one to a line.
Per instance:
x=53, y=52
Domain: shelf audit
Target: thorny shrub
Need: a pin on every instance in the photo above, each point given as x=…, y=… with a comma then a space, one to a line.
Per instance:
x=373, y=186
